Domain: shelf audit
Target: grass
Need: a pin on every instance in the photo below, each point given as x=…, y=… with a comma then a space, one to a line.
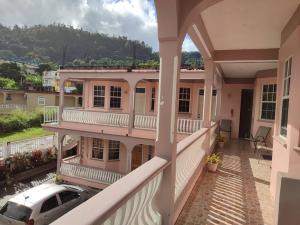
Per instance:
x=24, y=134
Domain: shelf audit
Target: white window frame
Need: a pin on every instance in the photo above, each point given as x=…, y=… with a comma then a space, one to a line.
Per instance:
x=99, y=148
x=115, y=97
x=266, y=101
x=185, y=100
x=99, y=96
x=41, y=100
x=287, y=74
x=112, y=147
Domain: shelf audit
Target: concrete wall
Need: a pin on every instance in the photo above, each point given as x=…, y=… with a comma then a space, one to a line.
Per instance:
x=32, y=100
x=231, y=104
x=16, y=98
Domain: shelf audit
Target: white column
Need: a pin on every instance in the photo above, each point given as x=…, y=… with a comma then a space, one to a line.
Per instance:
x=165, y=144
x=61, y=98
x=219, y=102
x=208, y=87
x=132, y=85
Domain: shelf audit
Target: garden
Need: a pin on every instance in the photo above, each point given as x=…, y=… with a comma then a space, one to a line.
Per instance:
x=27, y=164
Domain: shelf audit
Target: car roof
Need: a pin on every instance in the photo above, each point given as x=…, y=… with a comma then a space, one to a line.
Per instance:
x=37, y=194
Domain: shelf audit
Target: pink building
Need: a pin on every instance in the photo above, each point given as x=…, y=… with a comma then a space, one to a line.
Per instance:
x=251, y=52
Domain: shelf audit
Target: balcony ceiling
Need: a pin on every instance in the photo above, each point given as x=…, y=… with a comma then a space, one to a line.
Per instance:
x=245, y=70
x=242, y=24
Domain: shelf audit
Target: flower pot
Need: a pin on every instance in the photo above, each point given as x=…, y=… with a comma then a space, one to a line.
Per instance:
x=212, y=167
x=221, y=144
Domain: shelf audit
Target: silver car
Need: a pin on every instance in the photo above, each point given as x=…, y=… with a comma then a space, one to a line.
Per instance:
x=42, y=205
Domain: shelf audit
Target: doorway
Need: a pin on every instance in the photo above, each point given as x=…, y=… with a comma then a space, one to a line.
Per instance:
x=136, y=157
x=140, y=101
x=246, y=113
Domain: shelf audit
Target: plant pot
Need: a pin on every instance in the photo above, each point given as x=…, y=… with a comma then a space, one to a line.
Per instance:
x=212, y=167
x=221, y=144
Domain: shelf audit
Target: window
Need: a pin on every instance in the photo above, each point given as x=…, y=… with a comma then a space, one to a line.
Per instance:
x=184, y=100
x=114, y=150
x=152, y=99
x=8, y=97
x=67, y=196
x=214, y=105
x=80, y=101
x=16, y=211
x=97, y=149
x=115, y=97
x=285, y=98
x=99, y=96
x=49, y=204
x=268, y=102
x=41, y=100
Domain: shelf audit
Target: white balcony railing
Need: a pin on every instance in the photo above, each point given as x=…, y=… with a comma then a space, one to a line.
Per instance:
x=133, y=203
x=51, y=114
x=92, y=117
x=187, y=126
x=70, y=167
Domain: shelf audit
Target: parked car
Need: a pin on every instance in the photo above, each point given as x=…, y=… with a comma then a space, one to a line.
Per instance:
x=42, y=205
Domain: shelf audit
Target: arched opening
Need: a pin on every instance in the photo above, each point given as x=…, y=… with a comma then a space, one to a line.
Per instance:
x=141, y=154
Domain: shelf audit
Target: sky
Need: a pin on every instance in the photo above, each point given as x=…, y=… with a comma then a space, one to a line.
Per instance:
x=135, y=19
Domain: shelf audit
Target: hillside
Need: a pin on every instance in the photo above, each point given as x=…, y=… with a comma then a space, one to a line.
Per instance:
x=49, y=43
x=60, y=44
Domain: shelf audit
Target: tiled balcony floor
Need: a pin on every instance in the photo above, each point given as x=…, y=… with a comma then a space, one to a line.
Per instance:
x=237, y=194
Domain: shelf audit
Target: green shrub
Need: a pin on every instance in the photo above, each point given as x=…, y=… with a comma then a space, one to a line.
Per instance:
x=20, y=120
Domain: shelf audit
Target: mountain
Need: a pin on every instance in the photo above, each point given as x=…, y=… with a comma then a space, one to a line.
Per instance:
x=57, y=42
x=65, y=45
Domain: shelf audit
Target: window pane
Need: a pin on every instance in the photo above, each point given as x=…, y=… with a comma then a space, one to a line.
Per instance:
x=16, y=211
x=284, y=117
x=97, y=149
x=99, y=96
x=184, y=100
x=114, y=150
x=115, y=97
x=67, y=196
x=49, y=204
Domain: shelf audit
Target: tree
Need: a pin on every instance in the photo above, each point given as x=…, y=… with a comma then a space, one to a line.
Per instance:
x=10, y=70
x=43, y=67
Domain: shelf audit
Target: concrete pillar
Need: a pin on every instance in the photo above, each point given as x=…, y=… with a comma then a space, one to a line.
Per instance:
x=219, y=102
x=105, y=150
x=165, y=144
x=208, y=88
x=107, y=97
x=85, y=93
x=61, y=98
x=132, y=85
x=59, y=150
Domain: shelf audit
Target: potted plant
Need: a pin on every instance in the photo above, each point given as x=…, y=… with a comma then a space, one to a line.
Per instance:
x=212, y=162
x=221, y=141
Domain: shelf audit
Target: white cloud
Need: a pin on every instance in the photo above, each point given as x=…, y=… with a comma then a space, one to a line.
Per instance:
x=188, y=45
x=135, y=19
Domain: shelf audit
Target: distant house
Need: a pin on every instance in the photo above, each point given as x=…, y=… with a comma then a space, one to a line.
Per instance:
x=51, y=82
x=30, y=100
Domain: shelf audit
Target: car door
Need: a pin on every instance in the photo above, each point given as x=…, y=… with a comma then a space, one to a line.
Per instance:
x=69, y=199
x=50, y=211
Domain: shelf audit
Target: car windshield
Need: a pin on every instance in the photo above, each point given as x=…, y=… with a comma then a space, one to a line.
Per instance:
x=16, y=211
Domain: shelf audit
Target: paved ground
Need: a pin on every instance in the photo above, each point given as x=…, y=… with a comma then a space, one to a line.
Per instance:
x=237, y=194
x=6, y=192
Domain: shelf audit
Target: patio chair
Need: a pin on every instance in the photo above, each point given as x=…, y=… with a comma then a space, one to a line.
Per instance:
x=225, y=126
x=260, y=137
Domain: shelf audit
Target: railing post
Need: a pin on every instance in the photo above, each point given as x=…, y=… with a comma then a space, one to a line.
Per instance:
x=6, y=150
x=59, y=151
x=167, y=124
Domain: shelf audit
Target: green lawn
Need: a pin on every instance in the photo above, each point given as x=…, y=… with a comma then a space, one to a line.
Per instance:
x=24, y=134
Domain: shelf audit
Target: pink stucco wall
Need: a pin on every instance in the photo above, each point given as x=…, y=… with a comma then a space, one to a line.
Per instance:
x=88, y=97
x=231, y=104
x=285, y=158
x=256, y=113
